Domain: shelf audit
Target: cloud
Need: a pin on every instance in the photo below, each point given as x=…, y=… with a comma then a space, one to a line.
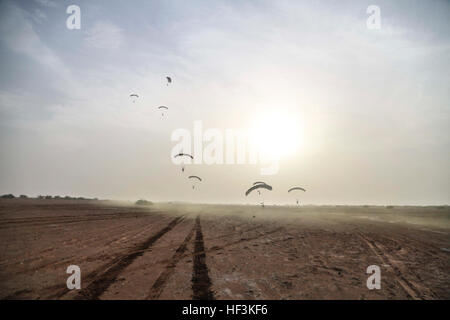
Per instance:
x=105, y=35
x=47, y=3
x=19, y=36
x=39, y=16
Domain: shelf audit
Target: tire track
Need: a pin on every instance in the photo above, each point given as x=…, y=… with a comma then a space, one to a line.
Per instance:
x=62, y=221
x=201, y=283
x=120, y=231
x=409, y=288
x=414, y=281
x=93, y=256
x=230, y=244
x=212, y=249
x=106, y=278
x=57, y=217
x=159, y=284
x=232, y=233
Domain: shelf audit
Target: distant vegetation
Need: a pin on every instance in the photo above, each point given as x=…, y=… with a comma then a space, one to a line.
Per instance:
x=142, y=202
x=41, y=197
x=389, y=207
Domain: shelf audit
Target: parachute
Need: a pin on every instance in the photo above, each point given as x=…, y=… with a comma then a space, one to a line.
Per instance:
x=181, y=154
x=169, y=80
x=162, y=108
x=134, y=96
x=296, y=188
x=194, y=177
x=258, y=186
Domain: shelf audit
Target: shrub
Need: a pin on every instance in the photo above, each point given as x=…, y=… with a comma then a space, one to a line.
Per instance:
x=142, y=202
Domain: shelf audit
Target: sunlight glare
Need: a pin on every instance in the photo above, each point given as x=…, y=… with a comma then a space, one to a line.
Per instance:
x=275, y=135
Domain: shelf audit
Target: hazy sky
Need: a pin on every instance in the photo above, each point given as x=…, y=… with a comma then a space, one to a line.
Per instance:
x=370, y=108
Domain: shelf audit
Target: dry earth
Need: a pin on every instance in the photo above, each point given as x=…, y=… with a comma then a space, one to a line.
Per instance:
x=176, y=251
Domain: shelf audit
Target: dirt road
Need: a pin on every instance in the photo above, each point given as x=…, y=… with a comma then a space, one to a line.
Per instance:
x=221, y=252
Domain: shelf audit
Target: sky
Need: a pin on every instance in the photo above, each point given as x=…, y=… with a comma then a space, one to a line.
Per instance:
x=353, y=114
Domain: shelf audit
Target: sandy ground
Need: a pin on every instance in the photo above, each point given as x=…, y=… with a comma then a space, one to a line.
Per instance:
x=175, y=251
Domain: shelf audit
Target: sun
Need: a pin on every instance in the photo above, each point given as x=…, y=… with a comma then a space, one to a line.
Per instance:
x=275, y=135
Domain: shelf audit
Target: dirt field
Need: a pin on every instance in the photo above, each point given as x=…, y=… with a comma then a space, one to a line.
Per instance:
x=174, y=251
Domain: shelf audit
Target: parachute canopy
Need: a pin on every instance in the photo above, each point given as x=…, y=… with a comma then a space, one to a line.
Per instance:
x=258, y=182
x=296, y=188
x=181, y=154
x=258, y=186
x=163, y=107
x=195, y=177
